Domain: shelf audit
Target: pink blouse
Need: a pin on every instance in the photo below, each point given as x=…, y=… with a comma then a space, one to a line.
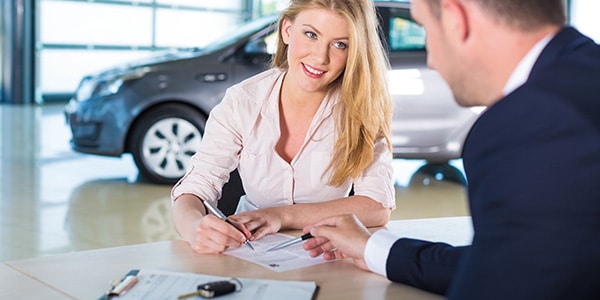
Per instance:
x=242, y=132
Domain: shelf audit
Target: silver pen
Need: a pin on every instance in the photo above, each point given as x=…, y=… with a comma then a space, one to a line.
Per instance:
x=291, y=242
x=215, y=211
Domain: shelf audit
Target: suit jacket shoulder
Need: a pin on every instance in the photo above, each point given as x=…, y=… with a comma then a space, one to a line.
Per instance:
x=533, y=162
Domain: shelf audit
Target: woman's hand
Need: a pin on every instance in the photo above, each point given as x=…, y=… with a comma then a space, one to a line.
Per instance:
x=212, y=235
x=339, y=237
x=260, y=222
x=206, y=234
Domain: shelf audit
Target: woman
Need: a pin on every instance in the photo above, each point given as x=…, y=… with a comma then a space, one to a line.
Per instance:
x=301, y=134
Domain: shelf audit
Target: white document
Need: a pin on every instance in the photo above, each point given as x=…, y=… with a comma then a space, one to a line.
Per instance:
x=156, y=284
x=289, y=258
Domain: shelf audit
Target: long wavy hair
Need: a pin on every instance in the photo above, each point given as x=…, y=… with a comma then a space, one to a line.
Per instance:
x=365, y=111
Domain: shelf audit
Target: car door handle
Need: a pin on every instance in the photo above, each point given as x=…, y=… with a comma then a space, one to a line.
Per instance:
x=212, y=77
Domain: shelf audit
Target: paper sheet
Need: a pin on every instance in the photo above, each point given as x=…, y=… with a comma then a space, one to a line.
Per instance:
x=289, y=258
x=156, y=284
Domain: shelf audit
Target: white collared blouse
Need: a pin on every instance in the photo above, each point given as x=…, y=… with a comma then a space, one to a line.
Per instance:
x=242, y=132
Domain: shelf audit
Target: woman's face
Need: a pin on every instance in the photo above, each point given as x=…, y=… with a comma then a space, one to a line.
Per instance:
x=317, y=48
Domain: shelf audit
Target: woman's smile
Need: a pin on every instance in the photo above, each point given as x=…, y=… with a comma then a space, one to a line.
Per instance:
x=312, y=72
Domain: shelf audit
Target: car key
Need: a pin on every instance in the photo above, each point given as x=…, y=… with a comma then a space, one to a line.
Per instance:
x=216, y=288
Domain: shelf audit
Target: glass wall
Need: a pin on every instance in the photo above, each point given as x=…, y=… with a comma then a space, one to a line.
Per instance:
x=79, y=37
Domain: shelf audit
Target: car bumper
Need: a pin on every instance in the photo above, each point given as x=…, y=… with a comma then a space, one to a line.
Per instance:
x=96, y=129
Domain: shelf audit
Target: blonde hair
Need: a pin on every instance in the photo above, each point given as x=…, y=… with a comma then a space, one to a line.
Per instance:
x=366, y=107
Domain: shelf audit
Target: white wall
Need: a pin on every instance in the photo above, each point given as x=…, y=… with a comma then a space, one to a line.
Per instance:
x=585, y=16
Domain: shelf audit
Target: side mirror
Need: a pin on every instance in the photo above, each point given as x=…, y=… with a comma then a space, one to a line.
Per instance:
x=256, y=47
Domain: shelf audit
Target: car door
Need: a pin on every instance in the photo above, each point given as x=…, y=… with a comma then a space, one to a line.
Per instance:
x=255, y=55
x=427, y=122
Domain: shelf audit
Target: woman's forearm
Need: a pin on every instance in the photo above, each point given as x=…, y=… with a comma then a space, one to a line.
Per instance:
x=371, y=213
x=187, y=210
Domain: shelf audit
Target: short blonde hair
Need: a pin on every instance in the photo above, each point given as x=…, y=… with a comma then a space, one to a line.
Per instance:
x=524, y=15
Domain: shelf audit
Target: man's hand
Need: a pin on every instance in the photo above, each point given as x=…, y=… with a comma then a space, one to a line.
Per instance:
x=339, y=237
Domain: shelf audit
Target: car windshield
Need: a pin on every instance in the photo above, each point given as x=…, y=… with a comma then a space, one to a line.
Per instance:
x=245, y=30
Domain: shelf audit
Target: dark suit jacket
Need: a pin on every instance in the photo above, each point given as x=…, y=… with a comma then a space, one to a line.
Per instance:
x=532, y=162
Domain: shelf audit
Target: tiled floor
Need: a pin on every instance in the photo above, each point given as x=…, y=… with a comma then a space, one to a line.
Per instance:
x=54, y=200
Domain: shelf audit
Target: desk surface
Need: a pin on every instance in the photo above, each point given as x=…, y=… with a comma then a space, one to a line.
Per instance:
x=16, y=285
x=86, y=274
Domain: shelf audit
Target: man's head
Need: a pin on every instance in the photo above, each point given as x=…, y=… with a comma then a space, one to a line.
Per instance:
x=476, y=44
x=522, y=14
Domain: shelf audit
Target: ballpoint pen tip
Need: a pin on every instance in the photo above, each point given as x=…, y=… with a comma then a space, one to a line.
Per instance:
x=249, y=245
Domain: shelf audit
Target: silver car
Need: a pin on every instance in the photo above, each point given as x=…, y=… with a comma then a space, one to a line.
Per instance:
x=156, y=109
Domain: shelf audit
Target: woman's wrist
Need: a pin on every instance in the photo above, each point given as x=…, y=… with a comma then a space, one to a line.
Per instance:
x=288, y=216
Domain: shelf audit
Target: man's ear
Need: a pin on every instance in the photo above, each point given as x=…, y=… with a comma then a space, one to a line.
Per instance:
x=455, y=19
x=286, y=27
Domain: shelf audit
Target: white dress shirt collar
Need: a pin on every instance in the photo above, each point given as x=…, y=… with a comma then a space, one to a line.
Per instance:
x=523, y=69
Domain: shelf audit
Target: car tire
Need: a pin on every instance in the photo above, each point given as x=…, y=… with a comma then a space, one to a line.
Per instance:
x=164, y=140
x=442, y=171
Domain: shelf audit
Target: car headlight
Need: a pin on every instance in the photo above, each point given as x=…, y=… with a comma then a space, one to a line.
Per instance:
x=97, y=87
x=108, y=87
x=85, y=89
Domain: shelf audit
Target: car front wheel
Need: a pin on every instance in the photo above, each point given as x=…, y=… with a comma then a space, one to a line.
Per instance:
x=164, y=140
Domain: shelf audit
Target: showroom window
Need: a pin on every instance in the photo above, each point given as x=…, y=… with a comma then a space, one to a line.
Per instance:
x=79, y=37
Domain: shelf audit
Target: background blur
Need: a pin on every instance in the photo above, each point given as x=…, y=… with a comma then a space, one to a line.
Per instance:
x=60, y=41
x=53, y=200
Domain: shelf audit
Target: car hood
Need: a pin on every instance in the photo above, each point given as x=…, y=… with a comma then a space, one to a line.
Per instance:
x=184, y=53
x=155, y=59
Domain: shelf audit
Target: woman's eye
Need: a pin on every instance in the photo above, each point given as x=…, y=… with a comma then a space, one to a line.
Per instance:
x=340, y=45
x=311, y=34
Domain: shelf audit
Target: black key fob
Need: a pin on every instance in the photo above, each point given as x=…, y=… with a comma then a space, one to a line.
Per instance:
x=216, y=288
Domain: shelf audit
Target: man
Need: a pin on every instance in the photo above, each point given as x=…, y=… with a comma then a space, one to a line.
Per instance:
x=532, y=159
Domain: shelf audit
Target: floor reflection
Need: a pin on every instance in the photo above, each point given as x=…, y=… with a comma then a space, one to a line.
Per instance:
x=432, y=190
x=111, y=212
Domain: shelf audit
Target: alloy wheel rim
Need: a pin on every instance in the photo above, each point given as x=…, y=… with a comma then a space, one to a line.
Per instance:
x=168, y=146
